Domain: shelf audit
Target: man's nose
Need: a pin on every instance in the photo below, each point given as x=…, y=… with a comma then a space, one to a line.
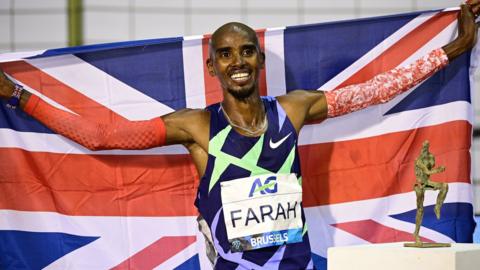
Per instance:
x=238, y=59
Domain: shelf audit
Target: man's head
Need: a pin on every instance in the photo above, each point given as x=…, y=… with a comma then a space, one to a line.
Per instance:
x=236, y=59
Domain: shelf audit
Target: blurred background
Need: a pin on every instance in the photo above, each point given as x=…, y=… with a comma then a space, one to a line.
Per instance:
x=40, y=24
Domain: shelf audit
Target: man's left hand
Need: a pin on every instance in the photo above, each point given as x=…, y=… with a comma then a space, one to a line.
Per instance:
x=467, y=30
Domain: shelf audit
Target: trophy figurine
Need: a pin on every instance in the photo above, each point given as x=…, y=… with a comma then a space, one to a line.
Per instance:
x=424, y=167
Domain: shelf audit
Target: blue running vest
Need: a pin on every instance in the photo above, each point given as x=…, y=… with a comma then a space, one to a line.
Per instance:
x=233, y=156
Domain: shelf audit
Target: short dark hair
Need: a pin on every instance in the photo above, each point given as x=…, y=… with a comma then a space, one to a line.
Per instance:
x=230, y=27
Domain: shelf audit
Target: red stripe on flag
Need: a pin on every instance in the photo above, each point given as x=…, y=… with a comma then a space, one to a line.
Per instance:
x=401, y=50
x=166, y=185
x=59, y=92
x=213, y=89
x=99, y=185
x=404, y=48
x=375, y=232
x=382, y=165
x=157, y=253
x=262, y=78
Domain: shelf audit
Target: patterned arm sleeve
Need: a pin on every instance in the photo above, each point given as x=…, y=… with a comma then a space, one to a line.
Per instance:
x=385, y=86
x=98, y=136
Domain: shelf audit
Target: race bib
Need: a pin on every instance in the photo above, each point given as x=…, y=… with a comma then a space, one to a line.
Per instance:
x=262, y=211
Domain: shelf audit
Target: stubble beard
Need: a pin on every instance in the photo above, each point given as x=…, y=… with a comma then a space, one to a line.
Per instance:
x=243, y=93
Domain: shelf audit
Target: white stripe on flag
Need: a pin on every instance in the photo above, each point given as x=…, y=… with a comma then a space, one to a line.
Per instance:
x=321, y=218
x=338, y=129
x=442, y=38
x=274, y=62
x=101, y=87
x=179, y=258
x=119, y=237
x=193, y=70
x=329, y=237
x=371, y=122
x=390, y=205
x=410, y=227
x=16, y=56
x=42, y=96
x=376, y=51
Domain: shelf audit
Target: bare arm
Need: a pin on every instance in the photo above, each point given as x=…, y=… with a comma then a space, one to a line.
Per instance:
x=467, y=30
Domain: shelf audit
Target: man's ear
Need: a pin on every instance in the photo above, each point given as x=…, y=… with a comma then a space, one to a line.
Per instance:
x=210, y=68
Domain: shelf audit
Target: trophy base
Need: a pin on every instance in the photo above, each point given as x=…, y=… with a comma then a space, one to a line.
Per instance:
x=427, y=245
x=394, y=256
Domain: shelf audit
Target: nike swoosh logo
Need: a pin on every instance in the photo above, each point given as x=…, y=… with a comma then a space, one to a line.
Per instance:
x=277, y=144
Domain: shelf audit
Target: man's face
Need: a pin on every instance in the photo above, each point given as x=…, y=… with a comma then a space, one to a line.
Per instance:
x=236, y=61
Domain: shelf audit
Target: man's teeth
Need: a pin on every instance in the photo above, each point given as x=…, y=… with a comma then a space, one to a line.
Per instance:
x=239, y=75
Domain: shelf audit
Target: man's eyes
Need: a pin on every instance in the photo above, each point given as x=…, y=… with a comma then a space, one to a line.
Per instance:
x=247, y=52
x=228, y=54
x=225, y=54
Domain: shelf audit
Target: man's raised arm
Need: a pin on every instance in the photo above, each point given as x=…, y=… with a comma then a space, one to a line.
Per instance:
x=121, y=134
x=307, y=106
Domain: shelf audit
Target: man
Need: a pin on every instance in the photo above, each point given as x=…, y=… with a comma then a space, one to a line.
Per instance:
x=245, y=147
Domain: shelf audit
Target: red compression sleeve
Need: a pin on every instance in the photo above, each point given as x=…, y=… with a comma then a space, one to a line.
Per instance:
x=385, y=86
x=98, y=136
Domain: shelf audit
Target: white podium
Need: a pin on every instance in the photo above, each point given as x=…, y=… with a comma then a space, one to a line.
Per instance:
x=393, y=256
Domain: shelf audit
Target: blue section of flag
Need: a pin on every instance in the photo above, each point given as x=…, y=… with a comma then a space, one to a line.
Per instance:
x=20, y=121
x=34, y=250
x=316, y=53
x=156, y=70
x=191, y=264
x=104, y=46
x=456, y=220
x=441, y=88
x=313, y=55
x=319, y=262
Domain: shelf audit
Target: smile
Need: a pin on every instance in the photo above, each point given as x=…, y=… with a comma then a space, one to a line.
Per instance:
x=240, y=77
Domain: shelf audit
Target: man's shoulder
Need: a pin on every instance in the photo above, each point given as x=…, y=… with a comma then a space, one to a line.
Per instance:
x=196, y=114
x=189, y=117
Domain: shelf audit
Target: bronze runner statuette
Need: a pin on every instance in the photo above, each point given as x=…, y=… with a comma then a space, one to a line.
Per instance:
x=424, y=167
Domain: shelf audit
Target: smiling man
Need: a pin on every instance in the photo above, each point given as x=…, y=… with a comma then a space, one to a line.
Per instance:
x=245, y=147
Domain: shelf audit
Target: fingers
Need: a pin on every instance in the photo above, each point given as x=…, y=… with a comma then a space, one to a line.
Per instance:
x=466, y=13
x=466, y=8
x=474, y=6
x=472, y=2
x=475, y=9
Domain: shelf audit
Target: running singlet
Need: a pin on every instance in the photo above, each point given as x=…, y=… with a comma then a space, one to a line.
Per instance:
x=250, y=195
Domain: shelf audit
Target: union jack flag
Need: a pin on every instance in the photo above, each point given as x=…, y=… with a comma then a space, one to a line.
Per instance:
x=65, y=207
